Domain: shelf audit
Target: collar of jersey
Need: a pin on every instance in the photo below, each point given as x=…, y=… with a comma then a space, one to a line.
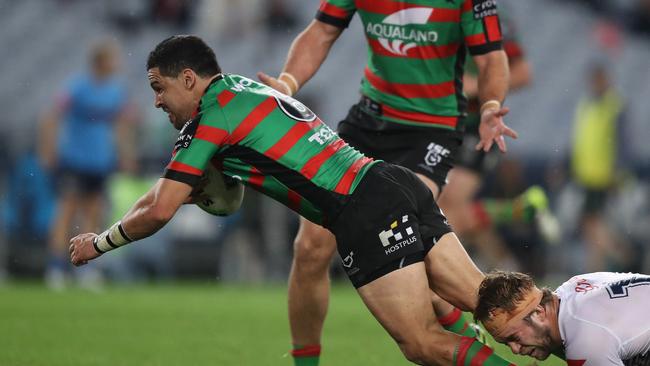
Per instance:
x=213, y=83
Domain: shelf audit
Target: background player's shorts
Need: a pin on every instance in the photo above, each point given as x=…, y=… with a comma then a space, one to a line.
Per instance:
x=476, y=160
x=389, y=222
x=427, y=151
x=595, y=200
x=74, y=181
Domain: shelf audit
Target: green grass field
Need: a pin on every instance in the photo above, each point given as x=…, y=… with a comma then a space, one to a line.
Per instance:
x=183, y=324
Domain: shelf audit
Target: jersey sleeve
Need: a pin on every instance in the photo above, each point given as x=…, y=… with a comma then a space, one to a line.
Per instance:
x=481, y=27
x=338, y=13
x=199, y=140
x=591, y=345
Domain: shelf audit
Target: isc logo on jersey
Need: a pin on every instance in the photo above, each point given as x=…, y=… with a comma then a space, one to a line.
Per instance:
x=394, y=34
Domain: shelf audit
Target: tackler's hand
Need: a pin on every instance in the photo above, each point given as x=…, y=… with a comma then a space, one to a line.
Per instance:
x=82, y=249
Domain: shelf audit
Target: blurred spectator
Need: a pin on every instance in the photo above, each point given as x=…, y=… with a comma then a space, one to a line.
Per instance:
x=84, y=137
x=596, y=148
x=639, y=17
x=278, y=17
x=177, y=13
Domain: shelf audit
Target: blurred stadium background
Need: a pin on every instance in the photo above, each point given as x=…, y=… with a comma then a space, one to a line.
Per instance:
x=47, y=41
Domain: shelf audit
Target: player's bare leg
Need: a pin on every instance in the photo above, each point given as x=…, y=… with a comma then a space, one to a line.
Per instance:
x=399, y=302
x=309, y=287
x=450, y=316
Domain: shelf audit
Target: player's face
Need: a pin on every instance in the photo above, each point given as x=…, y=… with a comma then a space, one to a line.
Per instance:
x=530, y=337
x=172, y=96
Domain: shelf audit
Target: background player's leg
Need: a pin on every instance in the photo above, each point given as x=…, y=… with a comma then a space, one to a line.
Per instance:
x=55, y=275
x=398, y=301
x=309, y=287
x=457, y=203
x=450, y=317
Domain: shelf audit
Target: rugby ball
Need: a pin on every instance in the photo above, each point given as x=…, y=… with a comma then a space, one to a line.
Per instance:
x=219, y=194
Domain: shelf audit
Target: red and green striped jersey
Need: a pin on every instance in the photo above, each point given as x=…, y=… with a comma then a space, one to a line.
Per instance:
x=273, y=143
x=416, y=53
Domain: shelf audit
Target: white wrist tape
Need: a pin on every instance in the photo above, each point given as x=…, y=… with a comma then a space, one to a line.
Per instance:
x=112, y=238
x=491, y=104
x=290, y=81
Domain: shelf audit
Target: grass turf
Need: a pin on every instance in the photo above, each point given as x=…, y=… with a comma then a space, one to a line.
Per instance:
x=182, y=324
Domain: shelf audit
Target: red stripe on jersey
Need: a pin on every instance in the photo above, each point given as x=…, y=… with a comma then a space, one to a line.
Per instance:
x=312, y=166
x=333, y=10
x=575, y=362
x=416, y=117
x=184, y=168
x=467, y=6
x=481, y=356
x=421, y=52
x=445, y=15
x=252, y=120
x=410, y=90
x=294, y=200
x=475, y=40
x=224, y=97
x=492, y=28
x=385, y=7
x=211, y=134
x=388, y=7
x=345, y=183
x=256, y=178
x=290, y=138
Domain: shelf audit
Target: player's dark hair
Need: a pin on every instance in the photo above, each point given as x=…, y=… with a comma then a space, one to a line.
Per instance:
x=504, y=290
x=180, y=52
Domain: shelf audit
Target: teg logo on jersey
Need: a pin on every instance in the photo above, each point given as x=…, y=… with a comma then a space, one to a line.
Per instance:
x=393, y=239
x=394, y=34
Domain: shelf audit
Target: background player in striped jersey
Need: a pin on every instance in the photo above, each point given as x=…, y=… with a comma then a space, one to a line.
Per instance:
x=412, y=99
x=394, y=241
x=594, y=319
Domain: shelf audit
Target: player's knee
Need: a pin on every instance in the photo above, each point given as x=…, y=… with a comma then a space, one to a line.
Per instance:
x=420, y=346
x=418, y=352
x=313, y=251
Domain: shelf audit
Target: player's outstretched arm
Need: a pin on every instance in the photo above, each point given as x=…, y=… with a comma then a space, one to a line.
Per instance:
x=308, y=51
x=493, y=80
x=149, y=214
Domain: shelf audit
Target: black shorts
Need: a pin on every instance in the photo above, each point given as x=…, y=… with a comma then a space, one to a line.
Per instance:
x=389, y=222
x=595, y=200
x=78, y=182
x=476, y=160
x=427, y=151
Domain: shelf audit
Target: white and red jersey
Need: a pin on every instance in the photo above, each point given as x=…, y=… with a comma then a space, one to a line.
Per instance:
x=604, y=318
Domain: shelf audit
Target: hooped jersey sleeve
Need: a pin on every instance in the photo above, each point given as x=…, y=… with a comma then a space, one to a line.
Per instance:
x=198, y=141
x=481, y=26
x=338, y=13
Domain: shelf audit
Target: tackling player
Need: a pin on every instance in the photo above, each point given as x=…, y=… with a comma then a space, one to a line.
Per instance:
x=393, y=240
x=595, y=319
x=411, y=102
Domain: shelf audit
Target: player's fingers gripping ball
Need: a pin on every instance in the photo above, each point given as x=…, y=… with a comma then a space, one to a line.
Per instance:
x=218, y=194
